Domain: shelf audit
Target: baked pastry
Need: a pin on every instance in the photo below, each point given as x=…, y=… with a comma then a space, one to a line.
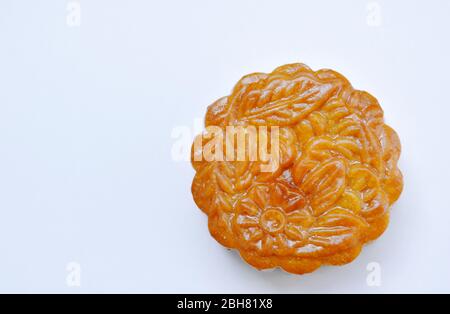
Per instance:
x=334, y=183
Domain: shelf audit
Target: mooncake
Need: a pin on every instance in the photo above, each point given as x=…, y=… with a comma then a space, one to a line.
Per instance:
x=324, y=192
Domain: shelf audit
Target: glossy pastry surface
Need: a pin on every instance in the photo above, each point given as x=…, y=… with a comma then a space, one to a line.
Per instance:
x=332, y=186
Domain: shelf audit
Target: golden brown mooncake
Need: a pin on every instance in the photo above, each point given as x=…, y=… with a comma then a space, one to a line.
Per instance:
x=334, y=183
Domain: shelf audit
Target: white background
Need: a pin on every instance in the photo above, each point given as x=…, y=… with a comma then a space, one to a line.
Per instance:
x=86, y=120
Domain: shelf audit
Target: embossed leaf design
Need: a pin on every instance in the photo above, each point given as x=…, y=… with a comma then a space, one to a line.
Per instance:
x=301, y=97
x=336, y=229
x=325, y=182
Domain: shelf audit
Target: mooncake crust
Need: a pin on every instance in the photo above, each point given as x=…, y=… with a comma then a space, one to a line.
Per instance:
x=335, y=184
